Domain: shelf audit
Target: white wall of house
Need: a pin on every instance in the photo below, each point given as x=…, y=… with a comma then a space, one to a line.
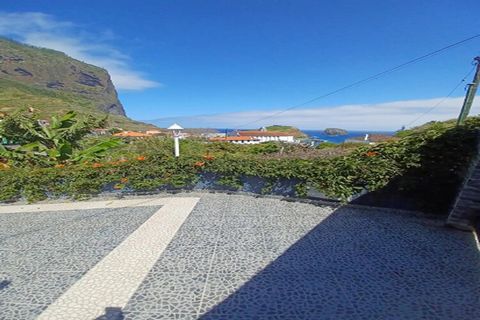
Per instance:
x=246, y=142
x=275, y=138
x=287, y=139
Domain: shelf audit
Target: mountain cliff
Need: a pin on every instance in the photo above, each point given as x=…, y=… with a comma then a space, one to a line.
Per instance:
x=55, y=71
x=52, y=83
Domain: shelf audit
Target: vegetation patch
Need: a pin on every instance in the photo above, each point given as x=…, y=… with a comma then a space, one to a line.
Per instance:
x=288, y=130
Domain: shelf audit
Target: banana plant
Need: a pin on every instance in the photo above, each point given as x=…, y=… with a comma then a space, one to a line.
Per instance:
x=56, y=142
x=96, y=151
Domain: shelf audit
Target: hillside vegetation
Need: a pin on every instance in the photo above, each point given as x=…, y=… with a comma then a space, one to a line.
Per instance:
x=287, y=129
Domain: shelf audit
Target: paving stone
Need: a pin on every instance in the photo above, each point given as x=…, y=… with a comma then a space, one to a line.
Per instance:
x=185, y=259
x=298, y=261
x=16, y=311
x=157, y=316
x=114, y=279
x=169, y=293
x=240, y=257
x=39, y=288
x=43, y=260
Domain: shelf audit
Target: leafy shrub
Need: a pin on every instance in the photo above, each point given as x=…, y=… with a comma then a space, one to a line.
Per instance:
x=326, y=144
x=264, y=148
x=58, y=141
x=426, y=165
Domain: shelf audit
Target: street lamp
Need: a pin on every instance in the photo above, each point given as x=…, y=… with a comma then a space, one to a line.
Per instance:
x=176, y=135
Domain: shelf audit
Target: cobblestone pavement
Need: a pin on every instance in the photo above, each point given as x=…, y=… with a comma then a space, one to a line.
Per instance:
x=232, y=257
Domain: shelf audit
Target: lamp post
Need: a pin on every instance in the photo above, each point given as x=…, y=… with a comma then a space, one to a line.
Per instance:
x=176, y=129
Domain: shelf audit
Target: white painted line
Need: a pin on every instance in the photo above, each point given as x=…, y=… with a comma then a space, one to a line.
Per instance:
x=113, y=281
x=83, y=205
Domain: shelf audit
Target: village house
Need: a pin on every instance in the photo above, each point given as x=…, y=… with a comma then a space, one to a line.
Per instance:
x=265, y=136
x=99, y=132
x=131, y=134
x=236, y=140
x=154, y=132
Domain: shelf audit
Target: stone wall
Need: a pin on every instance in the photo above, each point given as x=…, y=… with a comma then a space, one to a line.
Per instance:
x=466, y=211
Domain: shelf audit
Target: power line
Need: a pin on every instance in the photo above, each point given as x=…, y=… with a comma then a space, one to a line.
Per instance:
x=444, y=99
x=367, y=79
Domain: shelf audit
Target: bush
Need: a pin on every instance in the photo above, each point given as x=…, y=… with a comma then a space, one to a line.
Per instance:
x=265, y=148
x=326, y=144
x=426, y=165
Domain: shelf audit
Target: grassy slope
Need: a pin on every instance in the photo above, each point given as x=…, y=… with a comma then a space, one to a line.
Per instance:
x=426, y=126
x=47, y=65
x=287, y=129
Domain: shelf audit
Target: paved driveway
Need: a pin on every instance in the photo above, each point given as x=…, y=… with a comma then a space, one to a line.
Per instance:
x=231, y=257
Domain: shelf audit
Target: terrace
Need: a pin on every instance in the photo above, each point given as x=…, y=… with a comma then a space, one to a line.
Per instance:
x=219, y=256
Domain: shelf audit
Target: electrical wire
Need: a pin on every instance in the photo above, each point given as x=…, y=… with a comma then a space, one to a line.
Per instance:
x=365, y=80
x=443, y=100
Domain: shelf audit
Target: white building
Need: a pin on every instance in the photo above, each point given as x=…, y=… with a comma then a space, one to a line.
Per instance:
x=265, y=136
x=237, y=140
x=154, y=132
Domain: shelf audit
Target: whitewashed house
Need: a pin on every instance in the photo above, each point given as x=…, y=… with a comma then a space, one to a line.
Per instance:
x=266, y=136
x=236, y=140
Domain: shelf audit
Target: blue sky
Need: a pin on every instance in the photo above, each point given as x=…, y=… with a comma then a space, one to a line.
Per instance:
x=225, y=63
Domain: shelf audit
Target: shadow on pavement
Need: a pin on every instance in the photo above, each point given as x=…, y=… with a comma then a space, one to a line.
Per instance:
x=112, y=313
x=365, y=266
x=4, y=284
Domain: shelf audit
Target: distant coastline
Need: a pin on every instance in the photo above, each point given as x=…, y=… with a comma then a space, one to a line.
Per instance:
x=320, y=134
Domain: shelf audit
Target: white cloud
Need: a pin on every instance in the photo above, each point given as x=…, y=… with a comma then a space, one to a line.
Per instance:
x=380, y=116
x=44, y=30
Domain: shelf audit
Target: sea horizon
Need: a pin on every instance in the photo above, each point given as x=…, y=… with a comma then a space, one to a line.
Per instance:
x=320, y=134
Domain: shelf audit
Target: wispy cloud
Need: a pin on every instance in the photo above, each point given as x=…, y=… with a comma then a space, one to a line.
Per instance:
x=380, y=116
x=46, y=31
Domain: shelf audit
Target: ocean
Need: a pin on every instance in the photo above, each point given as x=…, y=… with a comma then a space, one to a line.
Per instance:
x=319, y=134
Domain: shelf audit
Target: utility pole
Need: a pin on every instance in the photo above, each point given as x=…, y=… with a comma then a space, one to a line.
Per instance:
x=471, y=91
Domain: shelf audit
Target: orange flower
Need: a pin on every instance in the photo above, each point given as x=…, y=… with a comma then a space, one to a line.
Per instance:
x=141, y=158
x=4, y=166
x=97, y=165
x=199, y=164
x=60, y=165
x=124, y=180
x=372, y=154
x=208, y=157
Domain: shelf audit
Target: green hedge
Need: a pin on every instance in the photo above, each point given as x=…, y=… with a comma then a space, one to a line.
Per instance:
x=424, y=165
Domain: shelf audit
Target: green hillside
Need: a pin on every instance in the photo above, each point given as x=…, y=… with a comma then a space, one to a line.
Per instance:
x=52, y=83
x=287, y=129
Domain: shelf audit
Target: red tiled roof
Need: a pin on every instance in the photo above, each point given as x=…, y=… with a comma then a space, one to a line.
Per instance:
x=256, y=133
x=131, y=134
